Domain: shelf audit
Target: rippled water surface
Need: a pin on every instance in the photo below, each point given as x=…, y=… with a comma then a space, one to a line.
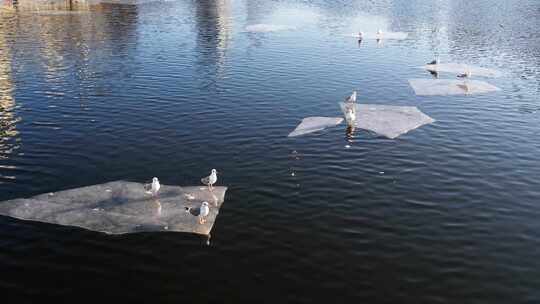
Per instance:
x=447, y=213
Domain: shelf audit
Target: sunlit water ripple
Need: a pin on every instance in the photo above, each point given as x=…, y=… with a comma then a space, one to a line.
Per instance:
x=446, y=213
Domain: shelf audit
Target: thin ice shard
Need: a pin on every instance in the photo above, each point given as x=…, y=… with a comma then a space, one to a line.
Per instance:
x=314, y=124
x=429, y=87
x=389, y=121
x=121, y=207
x=460, y=68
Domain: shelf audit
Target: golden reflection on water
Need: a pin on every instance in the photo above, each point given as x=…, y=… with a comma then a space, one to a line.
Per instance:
x=214, y=23
x=8, y=119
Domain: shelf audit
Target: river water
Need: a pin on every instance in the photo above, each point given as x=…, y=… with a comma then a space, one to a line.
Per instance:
x=447, y=213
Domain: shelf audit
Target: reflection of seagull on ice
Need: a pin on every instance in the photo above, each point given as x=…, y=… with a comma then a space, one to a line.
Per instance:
x=153, y=188
x=350, y=110
x=203, y=212
x=211, y=179
x=465, y=76
x=158, y=210
x=350, y=116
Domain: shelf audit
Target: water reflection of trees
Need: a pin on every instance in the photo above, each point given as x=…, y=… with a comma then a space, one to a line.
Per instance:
x=8, y=118
x=64, y=49
x=78, y=42
x=214, y=27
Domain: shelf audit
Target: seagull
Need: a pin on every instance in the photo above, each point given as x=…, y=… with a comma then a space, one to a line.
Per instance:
x=379, y=34
x=210, y=180
x=153, y=188
x=352, y=98
x=467, y=74
x=436, y=61
x=203, y=212
x=360, y=36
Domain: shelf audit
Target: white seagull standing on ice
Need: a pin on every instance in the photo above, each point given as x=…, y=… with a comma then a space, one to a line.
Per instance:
x=153, y=188
x=204, y=210
x=210, y=180
x=379, y=34
x=352, y=98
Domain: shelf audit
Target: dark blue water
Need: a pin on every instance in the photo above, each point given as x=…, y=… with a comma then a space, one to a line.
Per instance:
x=447, y=213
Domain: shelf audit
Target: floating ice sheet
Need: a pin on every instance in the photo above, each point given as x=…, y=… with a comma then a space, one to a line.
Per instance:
x=314, y=124
x=266, y=28
x=450, y=87
x=389, y=121
x=460, y=68
x=121, y=207
x=383, y=36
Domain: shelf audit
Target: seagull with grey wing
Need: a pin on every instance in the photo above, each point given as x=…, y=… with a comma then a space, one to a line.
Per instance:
x=434, y=62
x=379, y=34
x=465, y=75
x=352, y=98
x=153, y=188
x=360, y=36
x=210, y=180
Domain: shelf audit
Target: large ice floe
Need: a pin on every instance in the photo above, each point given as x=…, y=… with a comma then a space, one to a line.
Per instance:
x=122, y=207
x=388, y=121
x=385, y=120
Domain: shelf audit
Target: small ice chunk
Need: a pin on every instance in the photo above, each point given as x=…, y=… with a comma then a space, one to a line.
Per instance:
x=429, y=87
x=389, y=121
x=460, y=68
x=266, y=28
x=314, y=124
